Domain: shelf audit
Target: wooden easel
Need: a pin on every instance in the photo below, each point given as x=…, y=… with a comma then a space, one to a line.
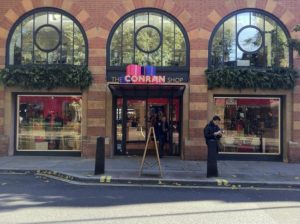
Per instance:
x=151, y=130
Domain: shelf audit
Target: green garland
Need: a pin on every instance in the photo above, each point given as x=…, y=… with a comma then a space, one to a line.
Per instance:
x=238, y=78
x=46, y=76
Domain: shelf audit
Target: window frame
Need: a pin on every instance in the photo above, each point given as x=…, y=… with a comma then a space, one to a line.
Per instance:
x=248, y=10
x=16, y=97
x=258, y=156
x=168, y=69
x=46, y=10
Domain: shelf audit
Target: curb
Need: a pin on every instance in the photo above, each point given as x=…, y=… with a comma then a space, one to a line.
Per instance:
x=108, y=180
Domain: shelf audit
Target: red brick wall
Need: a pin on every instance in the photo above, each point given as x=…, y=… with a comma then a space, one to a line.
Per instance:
x=199, y=19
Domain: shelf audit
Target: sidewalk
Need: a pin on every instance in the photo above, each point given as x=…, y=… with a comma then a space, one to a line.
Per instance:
x=125, y=170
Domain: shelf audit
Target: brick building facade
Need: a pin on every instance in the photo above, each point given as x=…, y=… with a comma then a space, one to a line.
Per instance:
x=199, y=19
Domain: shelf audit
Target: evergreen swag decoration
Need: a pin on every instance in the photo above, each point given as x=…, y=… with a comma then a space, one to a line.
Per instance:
x=235, y=78
x=46, y=76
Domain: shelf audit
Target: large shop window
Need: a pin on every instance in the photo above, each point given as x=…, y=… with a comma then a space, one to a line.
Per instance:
x=249, y=38
x=47, y=37
x=251, y=125
x=49, y=122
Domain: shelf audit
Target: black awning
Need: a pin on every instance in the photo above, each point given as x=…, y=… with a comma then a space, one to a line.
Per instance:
x=146, y=90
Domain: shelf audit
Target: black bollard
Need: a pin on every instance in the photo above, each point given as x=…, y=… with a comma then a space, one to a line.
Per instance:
x=99, y=162
x=212, y=168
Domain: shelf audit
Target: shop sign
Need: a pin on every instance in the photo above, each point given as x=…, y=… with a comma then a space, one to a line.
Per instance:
x=136, y=74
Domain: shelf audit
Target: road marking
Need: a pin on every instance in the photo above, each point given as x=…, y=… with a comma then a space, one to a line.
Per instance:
x=220, y=182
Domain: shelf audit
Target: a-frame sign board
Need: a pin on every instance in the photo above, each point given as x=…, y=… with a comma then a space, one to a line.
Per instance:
x=151, y=130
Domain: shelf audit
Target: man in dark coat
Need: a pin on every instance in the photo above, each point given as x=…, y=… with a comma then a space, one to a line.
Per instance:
x=212, y=134
x=162, y=130
x=212, y=130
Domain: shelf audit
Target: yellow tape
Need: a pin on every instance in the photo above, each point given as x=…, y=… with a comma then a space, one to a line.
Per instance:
x=108, y=179
x=102, y=179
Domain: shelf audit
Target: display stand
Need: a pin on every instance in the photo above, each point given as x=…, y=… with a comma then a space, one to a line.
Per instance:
x=151, y=130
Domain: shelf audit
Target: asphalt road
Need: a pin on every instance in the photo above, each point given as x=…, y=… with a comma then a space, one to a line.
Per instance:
x=34, y=199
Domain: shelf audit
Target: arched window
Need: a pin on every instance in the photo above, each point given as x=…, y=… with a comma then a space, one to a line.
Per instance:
x=47, y=36
x=249, y=38
x=148, y=36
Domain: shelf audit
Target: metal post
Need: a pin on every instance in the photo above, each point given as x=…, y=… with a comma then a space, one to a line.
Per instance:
x=100, y=156
x=212, y=168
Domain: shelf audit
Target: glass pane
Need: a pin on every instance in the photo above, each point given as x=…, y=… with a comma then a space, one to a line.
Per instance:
x=15, y=55
x=252, y=125
x=141, y=19
x=243, y=19
x=270, y=46
x=79, y=47
x=155, y=58
x=40, y=56
x=141, y=58
x=136, y=125
x=155, y=20
x=251, y=59
x=168, y=42
x=180, y=48
x=115, y=47
x=49, y=123
x=257, y=20
x=217, y=48
x=282, y=51
x=148, y=39
x=55, y=20
x=40, y=19
x=250, y=39
x=175, y=127
x=119, y=119
x=27, y=40
x=47, y=38
x=229, y=44
x=67, y=41
x=270, y=24
x=128, y=41
x=54, y=56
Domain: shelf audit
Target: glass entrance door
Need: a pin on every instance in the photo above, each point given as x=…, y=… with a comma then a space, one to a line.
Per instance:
x=134, y=117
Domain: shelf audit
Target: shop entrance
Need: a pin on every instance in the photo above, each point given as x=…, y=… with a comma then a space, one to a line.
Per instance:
x=134, y=114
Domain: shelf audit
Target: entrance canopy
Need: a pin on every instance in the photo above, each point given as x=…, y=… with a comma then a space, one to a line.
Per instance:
x=146, y=90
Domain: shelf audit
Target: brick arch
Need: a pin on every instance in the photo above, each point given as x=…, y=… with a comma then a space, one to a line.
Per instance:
x=226, y=7
x=127, y=6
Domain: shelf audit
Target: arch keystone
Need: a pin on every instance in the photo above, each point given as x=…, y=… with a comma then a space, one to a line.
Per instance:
x=3, y=33
x=271, y=5
x=11, y=15
x=184, y=16
x=67, y=5
x=128, y=5
x=149, y=3
x=251, y=3
x=168, y=5
x=214, y=17
x=48, y=2
x=27, y=5
x=82, y=16
x=287, y=17
x=112, y=16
